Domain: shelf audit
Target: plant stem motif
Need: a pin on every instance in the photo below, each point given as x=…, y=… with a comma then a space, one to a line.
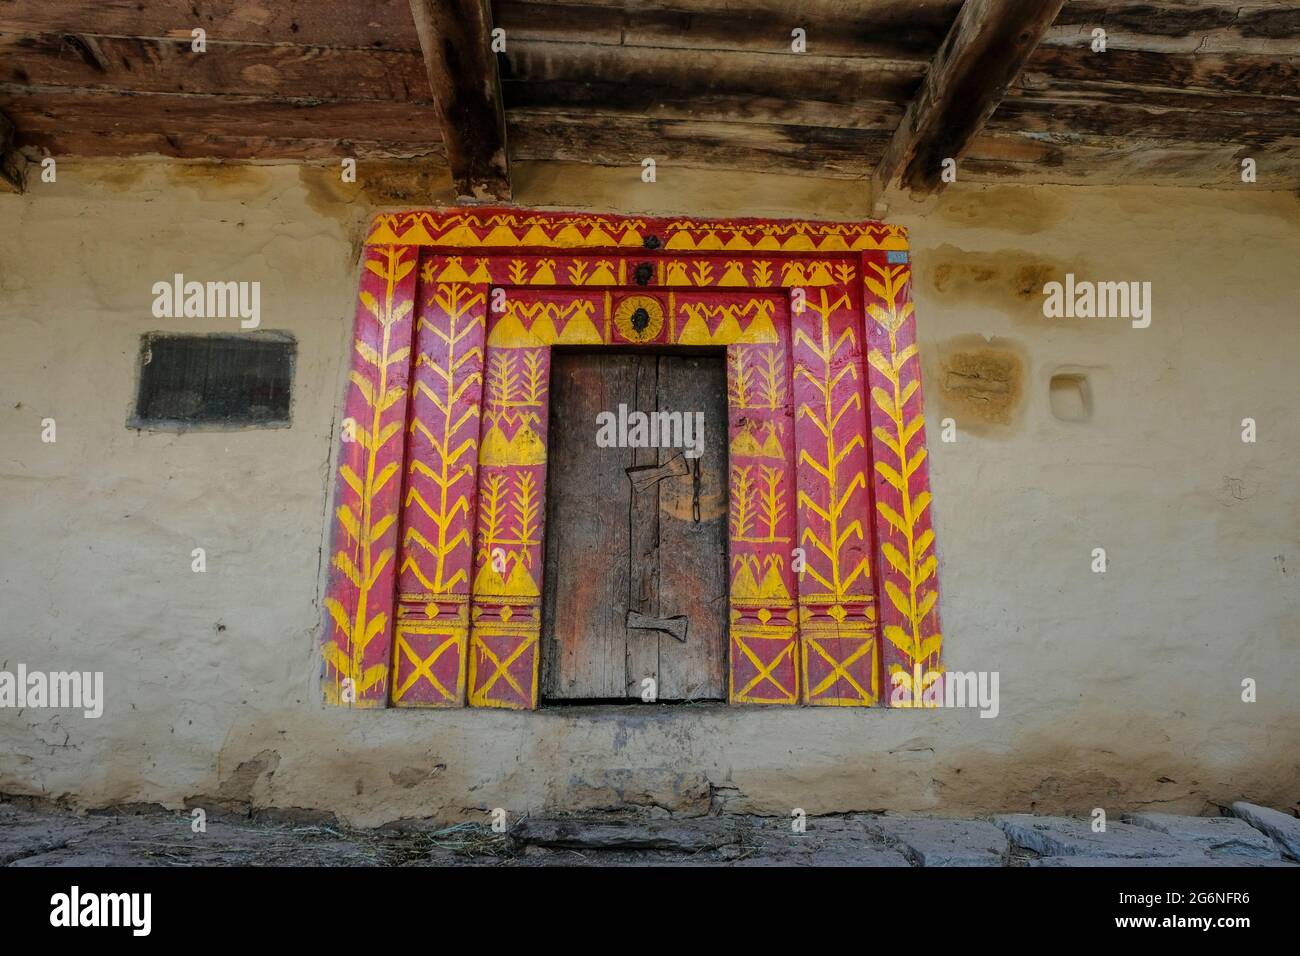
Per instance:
x=773, y=507
x=512, y=458
x=512, y=498
x=491, y=512
x=505, y=616
x=758, y=512
x=363, y=525
x=510, y=387
x=773, y=378
x=759, y=372
x=839, y=530
x=743, y=506
x=452, y=436
x=918, y=638
x=592, y=272
x=502, y=378
x=741, y=378
x=516, y=389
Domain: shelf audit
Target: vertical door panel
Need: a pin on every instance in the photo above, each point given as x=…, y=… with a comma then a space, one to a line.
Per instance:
x=837, y=613
x=357, y=643
x=436, y=552
x=643, y=566
x=587, y=553
x=505, y=613
x=693, y=553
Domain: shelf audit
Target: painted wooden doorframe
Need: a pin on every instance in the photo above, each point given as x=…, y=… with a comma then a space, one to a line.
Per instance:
x=834, y=584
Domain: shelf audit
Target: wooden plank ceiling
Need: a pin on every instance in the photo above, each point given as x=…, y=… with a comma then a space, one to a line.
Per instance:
x=1185, y=89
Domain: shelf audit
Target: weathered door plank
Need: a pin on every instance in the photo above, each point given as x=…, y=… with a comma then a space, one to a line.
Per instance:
x=587, y=544
x=693, y=555
x=643, y=560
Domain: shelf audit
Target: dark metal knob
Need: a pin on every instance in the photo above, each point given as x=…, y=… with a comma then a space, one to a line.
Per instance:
x=650, y=242
x=643, y=273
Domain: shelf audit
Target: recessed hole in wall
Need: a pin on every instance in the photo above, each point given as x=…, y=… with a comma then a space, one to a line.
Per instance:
x=214, y=380
x=1070, y=397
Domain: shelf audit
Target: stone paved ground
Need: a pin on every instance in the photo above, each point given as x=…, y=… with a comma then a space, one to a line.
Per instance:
x=1255, y=836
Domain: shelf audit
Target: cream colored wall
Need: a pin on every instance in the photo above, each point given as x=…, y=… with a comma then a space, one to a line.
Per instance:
x=1117, y=690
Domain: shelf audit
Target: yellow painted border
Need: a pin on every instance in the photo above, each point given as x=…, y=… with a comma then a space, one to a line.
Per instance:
x=506, y=229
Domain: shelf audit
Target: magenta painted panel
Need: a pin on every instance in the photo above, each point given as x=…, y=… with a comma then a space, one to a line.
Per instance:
x=358, y=637
x=907, y=559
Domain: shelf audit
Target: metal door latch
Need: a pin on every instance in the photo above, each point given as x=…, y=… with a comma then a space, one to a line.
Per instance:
x=674, y=627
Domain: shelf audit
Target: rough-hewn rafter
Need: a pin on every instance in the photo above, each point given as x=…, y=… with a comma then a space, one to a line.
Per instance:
x=455, y=36
x=983, y=53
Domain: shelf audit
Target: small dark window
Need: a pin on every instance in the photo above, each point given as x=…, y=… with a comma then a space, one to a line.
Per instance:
x=189, y=381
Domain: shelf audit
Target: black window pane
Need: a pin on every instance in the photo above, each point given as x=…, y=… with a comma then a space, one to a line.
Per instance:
x=240, y=379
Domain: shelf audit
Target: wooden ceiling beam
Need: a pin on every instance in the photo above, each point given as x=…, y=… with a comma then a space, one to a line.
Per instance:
x=72, y=122
x=1009, y=155
x=372, y=25
x=985, y=49
x=608, y=140
x=455, y=36
x=150, y=65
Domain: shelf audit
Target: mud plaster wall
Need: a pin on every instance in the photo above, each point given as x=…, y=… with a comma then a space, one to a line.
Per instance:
x=1117, y=690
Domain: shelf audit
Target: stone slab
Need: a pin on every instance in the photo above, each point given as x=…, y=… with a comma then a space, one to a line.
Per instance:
x=1065, y=836
x=580, y=834
x=1282, y=827
x=942, y=841
x=1218, y=836
x=831, y=856
x=826, y=841
x=1201, y=860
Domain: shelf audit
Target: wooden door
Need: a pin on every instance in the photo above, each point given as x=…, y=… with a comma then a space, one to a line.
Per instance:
x=611, y=549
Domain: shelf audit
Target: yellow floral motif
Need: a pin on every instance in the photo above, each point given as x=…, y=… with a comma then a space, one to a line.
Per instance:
x=482, y=229
x=453, y=456
x=918, y=565
x=757, y=511
x=361, y=566
x=826, y=418
x=504, y=572
x=757, y=378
